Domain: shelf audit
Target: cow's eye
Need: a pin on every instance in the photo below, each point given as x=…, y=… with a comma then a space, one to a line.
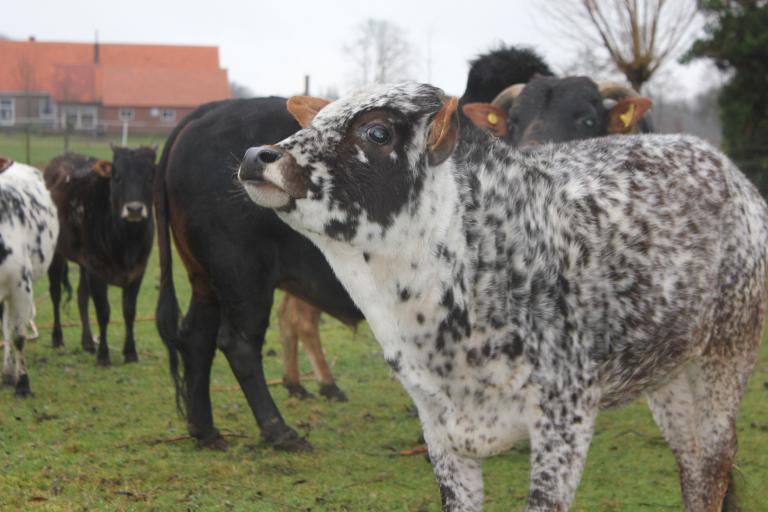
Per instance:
x=378, y=134
x=589, y=122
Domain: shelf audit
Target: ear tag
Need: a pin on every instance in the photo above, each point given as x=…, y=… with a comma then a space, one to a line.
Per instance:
x=627, y=116
x=493, y=118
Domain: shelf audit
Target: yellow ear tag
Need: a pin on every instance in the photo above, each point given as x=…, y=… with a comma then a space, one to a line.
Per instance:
x=493, y=118
x=627, y=116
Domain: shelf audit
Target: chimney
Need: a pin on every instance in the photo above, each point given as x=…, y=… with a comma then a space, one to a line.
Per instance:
x=96, y=48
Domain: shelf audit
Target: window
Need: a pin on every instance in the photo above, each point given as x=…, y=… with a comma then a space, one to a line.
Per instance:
x=126, y=115
x=7, y=111
x=169, y=115
x=47, y=108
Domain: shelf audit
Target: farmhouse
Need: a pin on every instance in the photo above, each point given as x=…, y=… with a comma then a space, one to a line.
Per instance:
x=99, y=87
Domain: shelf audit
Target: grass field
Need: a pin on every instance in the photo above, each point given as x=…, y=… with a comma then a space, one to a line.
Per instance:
x=109, y=439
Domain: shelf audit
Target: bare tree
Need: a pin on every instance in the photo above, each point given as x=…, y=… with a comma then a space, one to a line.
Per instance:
x=380, y=53
x=66, y=93
x=639, y=36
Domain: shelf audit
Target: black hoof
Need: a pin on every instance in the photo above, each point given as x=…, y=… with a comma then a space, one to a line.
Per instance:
x=288, y=440
x=22, y=387
x=8, y=379
x=213, y=441
x=103, y=361
x=332, y=392
x=88, y=344
x=296, y=389
x=131, y=357
x=57, y=339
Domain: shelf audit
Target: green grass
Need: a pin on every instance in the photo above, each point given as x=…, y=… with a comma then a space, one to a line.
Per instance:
x=106, y=439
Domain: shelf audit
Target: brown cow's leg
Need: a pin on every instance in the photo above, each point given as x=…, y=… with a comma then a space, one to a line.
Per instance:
x=287, y=316
x=101, y=304
x=307, y=319
x=130, y=292
x=55, y=276
x=83, y=296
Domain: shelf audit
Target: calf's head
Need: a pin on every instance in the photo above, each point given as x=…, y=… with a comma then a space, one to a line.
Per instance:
x=357, y=163
x=131, y=174
x=551, y=109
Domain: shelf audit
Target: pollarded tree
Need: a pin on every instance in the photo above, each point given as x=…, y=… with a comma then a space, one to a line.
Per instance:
x=380, y=53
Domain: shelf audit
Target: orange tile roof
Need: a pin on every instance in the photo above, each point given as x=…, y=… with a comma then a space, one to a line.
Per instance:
x=126, y=74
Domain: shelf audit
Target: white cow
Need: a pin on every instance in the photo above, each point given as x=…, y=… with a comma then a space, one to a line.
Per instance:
x=29, y=228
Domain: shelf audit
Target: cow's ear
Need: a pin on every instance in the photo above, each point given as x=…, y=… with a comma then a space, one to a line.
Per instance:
x=488, y=117
x=305, y=108
x=103, y=168
x=443, y=132
x=625, y=115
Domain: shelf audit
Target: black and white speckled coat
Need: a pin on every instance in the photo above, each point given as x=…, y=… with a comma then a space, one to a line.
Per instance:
x=516, y=293
x=28, y=231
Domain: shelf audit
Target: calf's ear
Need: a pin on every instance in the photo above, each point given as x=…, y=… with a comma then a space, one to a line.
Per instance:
x=443, y=132
x=488, y=117
x=625, y=115
x=103, y=168
x=305, y=108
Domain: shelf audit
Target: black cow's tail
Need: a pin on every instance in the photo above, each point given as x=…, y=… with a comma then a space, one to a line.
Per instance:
x=730, y=502
x=65, y=280
x=167, y=312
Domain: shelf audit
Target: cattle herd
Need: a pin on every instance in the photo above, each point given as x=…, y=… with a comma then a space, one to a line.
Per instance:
x=525, y=255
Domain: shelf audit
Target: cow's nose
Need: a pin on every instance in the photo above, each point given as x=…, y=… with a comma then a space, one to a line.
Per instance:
x=255, y=160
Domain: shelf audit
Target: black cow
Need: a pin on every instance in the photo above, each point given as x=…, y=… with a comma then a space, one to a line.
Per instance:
x=235, y=254
x=549, y=109
x=106, y=227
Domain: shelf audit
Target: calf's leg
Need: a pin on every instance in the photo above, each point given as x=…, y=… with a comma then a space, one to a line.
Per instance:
x=101, y=304
x=8, y=378
x=55, y=277
x=130, y=292
x=19, y=311
x=289, y=338
x=83, y=296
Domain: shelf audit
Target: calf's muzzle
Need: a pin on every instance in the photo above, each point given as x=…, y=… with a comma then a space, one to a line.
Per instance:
x=255, y=161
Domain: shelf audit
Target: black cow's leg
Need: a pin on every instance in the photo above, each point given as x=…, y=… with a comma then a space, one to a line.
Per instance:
x=129, y=315
x=198, y=346
x=83, y=296
x=241, y=338
x=101, y=303
x=55, y=276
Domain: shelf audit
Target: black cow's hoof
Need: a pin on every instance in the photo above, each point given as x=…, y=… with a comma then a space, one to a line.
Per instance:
x=131, y=357
x=332, y=392
x=88, y=344
x=57, y=339
x=103, y=361
x=288, y=440
x=22, y=387
x=296, y=389
x=8, y=379
x=213, y=441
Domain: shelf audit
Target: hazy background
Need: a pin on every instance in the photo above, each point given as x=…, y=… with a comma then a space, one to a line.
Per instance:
x=268, y=47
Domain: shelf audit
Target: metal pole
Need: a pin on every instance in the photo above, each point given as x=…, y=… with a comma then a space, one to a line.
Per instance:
x=124, y=142
x=306, y=85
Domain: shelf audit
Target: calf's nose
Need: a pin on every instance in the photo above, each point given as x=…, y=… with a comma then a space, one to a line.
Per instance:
x=254, y=162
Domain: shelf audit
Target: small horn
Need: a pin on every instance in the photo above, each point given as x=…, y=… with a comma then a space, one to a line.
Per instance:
x=507, y=97
x=616, y=90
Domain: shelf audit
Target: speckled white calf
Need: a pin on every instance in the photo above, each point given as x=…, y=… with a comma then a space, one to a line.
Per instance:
x=516, y=293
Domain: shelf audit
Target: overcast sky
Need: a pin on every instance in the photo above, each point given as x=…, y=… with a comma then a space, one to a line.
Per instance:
x=270, y=46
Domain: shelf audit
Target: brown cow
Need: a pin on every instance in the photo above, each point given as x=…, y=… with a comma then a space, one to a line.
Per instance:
x=106, y=228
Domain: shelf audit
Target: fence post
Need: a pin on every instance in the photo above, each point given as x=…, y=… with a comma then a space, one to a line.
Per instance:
x=124, y=142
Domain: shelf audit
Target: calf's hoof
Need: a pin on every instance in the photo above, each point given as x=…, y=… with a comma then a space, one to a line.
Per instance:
x=8, y=379
x=332, y=392
x=287, y=440
x=131, y=357
x=296, y=389
x=22, y=387
x=103, y=361
x=213, y=441
x=88, y=343
x=57, y=340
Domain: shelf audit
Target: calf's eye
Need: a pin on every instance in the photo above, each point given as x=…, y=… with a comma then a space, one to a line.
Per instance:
x=588, y=122
x=378, y=134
